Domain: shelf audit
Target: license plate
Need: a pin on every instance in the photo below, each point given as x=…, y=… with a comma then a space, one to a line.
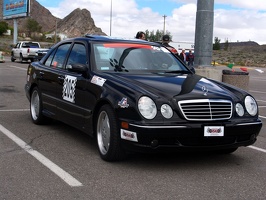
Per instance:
x=211, y=131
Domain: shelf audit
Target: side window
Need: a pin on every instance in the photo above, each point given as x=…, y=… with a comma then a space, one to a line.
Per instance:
x=49, y=60
x=57, y=58
x=77, y=55
x=17, y=45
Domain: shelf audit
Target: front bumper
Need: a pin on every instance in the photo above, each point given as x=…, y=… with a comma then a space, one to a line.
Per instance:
x=191, y=137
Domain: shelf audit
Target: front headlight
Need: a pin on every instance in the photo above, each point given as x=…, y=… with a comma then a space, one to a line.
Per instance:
x=166, y=111
x=239, y=109
x=147, y=107
x=251, y=105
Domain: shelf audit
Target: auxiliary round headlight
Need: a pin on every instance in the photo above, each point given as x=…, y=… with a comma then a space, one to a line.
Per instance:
x=166, y=111
x=251, y=105
x=239, y=109
x=147, y=107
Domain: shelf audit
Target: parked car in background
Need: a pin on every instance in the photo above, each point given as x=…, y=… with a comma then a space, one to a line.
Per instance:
x=40, y=54
x=25, y=50
x=134, y=95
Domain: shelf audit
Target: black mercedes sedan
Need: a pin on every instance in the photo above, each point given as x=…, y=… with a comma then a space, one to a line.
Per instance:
x=134, y=95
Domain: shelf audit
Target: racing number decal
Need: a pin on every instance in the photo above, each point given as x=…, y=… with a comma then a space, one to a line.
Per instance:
x=69, y=88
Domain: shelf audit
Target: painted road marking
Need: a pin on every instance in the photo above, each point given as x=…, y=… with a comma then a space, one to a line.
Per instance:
x=258, y=149
x=257, y=91
x=260, y=100
x=18, y=67
x=15, y=110
x=70, y=180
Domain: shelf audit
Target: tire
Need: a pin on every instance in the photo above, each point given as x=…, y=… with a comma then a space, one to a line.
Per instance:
x=108, y=137
x=21, y=58
x=12, y=58
x=36, y=107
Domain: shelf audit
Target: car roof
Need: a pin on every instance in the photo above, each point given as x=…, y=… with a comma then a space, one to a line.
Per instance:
x=112, y=39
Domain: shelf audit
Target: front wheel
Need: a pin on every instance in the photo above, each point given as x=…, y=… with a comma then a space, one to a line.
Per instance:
x=108, y=135
x=36, y=107
x=12, y=58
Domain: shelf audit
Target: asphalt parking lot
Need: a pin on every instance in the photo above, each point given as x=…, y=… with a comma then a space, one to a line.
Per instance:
x=55, y=161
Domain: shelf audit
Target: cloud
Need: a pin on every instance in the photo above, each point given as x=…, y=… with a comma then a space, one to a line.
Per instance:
x=235, y=20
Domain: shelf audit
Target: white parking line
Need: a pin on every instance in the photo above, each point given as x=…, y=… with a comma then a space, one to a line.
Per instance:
x=257, y=91
x=45, y=161
x=14, y=110
x=262, y=117
x=260, y=100
x=18, y=67
x=258, y=149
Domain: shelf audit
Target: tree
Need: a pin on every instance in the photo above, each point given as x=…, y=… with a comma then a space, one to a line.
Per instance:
x=216, y=45
x=32, y=26
x=155, y=37
x=3, y=27
x=226, y=45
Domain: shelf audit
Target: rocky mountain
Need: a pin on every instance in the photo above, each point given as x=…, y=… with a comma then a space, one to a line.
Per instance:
x=77, y=23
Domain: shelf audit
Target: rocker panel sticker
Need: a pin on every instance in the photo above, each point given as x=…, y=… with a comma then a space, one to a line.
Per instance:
x=69, y=88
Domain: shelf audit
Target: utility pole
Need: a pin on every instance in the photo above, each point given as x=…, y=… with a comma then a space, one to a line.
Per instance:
x=164, y=16
x=55, y=31
x=111, y=16
x=204, y=33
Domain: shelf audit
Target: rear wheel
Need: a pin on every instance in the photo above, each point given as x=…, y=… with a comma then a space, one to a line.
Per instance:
x=36, y=107
x=20, y=58
x=108, y=135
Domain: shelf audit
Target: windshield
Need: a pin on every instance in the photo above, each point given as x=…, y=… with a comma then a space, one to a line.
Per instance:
x=132, y=57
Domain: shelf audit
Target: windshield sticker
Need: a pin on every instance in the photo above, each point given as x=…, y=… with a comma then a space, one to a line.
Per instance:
x=127, y=45
x=69, y=88
x=156, y=48
x=98, y=80
x=105, y=68
x=123, y=103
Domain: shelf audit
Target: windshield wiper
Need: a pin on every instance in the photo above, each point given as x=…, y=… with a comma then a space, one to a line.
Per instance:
x=178, y=72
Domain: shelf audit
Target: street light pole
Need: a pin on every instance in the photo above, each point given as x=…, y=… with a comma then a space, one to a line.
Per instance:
x=164, y=16
x=111, y=15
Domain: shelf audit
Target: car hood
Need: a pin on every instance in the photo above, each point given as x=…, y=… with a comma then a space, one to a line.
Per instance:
x=189, y=86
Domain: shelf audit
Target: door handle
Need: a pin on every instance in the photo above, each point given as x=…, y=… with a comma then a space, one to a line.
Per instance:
x=41, y=74
x=61, y=79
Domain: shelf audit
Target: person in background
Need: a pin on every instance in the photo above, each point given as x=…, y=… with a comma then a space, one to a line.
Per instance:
x=190, y=59
x=141, y=35
x=183, y=56
x=165, y=42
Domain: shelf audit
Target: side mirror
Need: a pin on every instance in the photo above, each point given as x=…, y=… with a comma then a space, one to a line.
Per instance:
x=77, y=67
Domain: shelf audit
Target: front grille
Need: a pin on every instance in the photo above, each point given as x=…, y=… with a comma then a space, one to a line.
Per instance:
x=206, y=109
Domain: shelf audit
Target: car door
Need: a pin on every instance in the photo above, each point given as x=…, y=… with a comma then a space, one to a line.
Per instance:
x=16, y=50
x=48, y=78
x=71, y=90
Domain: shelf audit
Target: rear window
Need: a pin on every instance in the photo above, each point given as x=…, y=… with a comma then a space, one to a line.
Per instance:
x=30, y=45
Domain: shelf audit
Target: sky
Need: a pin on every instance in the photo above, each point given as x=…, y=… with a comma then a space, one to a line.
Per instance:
x=234, y=20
